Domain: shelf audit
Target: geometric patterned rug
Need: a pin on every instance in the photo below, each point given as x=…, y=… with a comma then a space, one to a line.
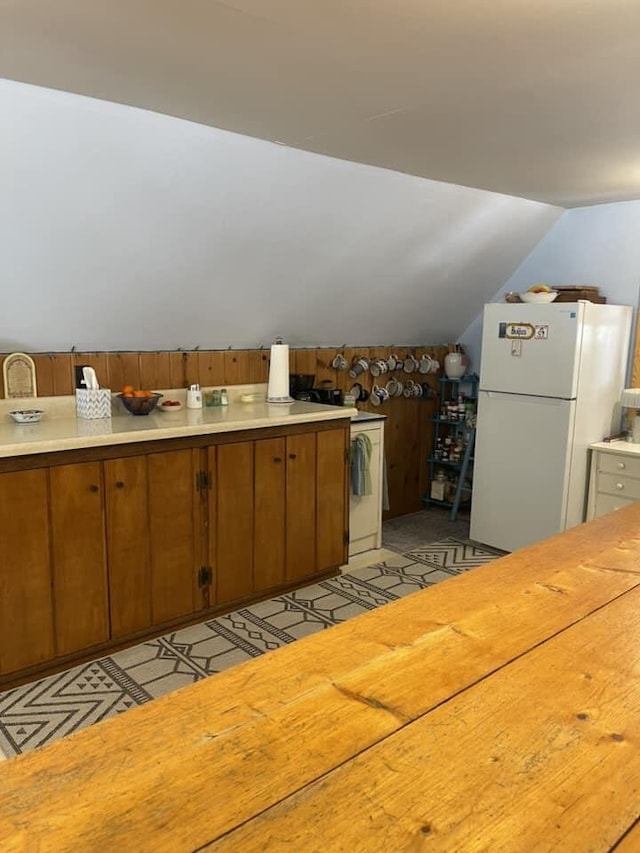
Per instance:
x=42, y=711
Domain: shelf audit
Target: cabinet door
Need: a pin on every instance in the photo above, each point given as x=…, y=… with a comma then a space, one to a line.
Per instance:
x=174, y=533
x=233, y=540
x=301, y=559
x=79, y=558
x=269, y=523
x=26, y=604
x=126, y=489
x=332, y=535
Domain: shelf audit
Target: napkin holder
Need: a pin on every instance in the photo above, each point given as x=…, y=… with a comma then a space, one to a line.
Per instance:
x=93, y=403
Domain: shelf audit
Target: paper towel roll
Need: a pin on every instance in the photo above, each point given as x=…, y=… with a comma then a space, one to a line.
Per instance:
x=278, y=387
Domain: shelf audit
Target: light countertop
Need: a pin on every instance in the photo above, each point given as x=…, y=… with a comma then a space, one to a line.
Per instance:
x=626, y=447
x=66, y=432
x=363, y=417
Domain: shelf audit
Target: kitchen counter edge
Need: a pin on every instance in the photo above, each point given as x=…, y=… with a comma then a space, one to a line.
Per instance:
x=59, y=434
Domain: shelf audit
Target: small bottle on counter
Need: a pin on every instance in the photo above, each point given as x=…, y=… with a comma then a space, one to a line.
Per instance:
x=224, y=397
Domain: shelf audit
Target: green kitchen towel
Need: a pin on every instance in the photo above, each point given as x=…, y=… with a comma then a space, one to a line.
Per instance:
x=361, y=465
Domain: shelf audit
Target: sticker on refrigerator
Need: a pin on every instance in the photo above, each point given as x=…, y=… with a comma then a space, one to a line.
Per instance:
x=519, y=331
x=541, y=333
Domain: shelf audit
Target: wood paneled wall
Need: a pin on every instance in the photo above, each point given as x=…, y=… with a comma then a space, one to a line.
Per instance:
x=408, y=430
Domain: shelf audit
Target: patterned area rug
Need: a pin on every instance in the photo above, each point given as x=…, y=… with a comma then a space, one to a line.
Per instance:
x=37, y=713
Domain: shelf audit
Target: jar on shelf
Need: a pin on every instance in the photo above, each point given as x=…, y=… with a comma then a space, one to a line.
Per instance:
x=454, y=366
x=450, y=490
x=438, y=486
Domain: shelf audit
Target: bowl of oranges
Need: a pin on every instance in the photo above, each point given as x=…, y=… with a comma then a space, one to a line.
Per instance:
x=137, y=401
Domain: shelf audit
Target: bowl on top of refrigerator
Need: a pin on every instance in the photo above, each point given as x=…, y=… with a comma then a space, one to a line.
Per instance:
x=539, y=293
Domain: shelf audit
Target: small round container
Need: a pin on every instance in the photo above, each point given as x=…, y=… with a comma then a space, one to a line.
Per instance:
x=170, y=406
x=27, y=416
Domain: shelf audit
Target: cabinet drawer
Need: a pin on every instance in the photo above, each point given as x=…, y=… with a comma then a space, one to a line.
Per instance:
x=619, y=464
x=619, y=484
x=609, y=503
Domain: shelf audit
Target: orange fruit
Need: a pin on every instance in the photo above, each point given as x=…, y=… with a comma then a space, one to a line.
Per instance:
x=127, y=390
x=140, y=394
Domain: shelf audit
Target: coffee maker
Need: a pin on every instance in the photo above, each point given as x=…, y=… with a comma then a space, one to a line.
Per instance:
x=301, y=388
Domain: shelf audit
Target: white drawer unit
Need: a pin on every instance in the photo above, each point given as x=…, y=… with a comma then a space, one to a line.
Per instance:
x=618, y=463
x=615, y=477
x=365, y=511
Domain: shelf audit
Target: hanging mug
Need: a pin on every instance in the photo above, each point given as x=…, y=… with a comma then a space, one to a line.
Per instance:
x=378, y=367
x=392, y=361
x=412, y=389
x=425, y=364
x=392, y=387
x=360, y=365
x=410, y=364
x=339, y=363
x=379, y=395
x=428, y=393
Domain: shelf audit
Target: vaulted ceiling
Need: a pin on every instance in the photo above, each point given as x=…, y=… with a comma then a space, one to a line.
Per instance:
x=532, y=98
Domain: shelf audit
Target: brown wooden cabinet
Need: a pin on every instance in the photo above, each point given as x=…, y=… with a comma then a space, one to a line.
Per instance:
x=269, y=523
x=174, y=534
x=153, y=530
x=302, y=526
x=127, y=513
x=117, y=544
x=26, y=599
x=232, y=513
x=278, y=511
x=332, y=497
x=80, y=595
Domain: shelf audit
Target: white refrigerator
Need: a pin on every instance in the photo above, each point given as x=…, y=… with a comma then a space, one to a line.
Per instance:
x=551, y=376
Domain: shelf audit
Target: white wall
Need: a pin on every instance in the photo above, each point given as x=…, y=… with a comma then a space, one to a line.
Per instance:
x=121, y=228
x=590, y=245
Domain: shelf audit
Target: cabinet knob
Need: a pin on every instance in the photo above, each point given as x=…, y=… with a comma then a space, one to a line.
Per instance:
x=292, y=456
x=94, y=488
x=621, y=465
x=620, y=486
x=277, y=459
x=119, y=484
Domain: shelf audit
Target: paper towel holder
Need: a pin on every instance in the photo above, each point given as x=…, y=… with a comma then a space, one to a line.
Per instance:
x=278, y=386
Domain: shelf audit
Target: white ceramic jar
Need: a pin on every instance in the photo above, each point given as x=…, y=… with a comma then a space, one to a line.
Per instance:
x=454, y=366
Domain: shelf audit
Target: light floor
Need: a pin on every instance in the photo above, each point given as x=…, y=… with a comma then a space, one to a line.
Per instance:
x=419, y=550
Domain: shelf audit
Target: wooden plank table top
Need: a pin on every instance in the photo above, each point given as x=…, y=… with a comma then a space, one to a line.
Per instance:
x=497, y=711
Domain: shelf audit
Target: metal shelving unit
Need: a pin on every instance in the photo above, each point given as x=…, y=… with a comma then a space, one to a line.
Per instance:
x=452, y=389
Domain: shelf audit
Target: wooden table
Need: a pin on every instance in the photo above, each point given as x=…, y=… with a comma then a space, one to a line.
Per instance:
x=498, y=711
